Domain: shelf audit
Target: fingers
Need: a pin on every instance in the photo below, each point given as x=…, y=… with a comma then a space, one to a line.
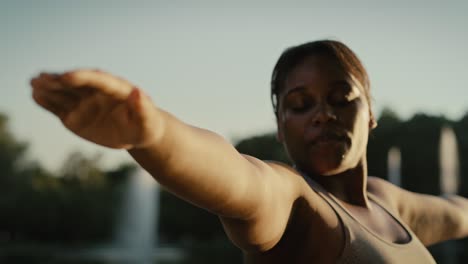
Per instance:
x=99, y=80
x=51, y=82
x=47, y=81
x=48, y=93
x=56, y=103
x=89, y=112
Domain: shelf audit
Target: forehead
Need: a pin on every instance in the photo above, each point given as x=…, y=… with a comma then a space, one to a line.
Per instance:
x=316, y=69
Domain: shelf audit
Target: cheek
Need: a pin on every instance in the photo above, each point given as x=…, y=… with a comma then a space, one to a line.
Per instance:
x=357, y=116
x=292, y=126
x=364, y=118
x=360, y=127
x=291, y=131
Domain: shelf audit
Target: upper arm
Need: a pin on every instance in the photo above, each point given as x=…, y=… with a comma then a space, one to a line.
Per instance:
x=265, y=227
x=204, y=169
x=253, y=198
x=433, y=219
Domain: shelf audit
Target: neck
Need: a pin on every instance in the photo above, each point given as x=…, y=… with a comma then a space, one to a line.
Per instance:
x=349, y=186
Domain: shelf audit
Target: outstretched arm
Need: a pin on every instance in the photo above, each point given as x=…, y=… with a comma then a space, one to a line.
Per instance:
x=195, y=164
x=433, y=219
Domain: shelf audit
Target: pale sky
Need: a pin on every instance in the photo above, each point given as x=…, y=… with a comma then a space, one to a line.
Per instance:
x=210, y=63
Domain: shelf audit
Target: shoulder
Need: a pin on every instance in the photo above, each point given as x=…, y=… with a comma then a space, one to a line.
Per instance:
x=385, y=191
x=277, y=190
x=379, y=187
x=288, y=176
x=282, y=167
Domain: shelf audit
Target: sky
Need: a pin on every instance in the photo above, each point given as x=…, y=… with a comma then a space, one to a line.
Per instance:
x=210, y=62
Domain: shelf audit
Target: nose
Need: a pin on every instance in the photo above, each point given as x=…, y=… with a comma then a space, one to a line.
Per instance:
x=323, y=114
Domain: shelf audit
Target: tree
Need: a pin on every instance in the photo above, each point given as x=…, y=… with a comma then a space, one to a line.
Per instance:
x=381, y=139
x=11, y=155
x=264, y=147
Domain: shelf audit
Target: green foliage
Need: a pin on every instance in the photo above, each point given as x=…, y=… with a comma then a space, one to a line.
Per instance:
x=381, y=139
x=418, y=140
x=461, y=131
x=220, y=251
x=264, y=147
x=11, y=154
x=182, y=221
x=78, y=204
x=60, y=209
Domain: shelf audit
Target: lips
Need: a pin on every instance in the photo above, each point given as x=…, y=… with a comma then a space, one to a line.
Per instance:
x=317, y=136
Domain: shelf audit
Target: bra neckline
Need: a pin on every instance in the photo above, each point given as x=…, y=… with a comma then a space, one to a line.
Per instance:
x=323, y=192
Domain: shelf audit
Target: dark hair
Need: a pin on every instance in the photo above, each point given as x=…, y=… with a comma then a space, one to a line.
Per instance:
x=293, y=56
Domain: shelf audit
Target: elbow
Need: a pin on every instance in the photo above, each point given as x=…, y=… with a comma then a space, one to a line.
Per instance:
x=458, y=219
x=462, y=227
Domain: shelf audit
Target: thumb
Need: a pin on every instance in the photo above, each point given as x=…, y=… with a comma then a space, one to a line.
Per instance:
x=140, y=105
x=142, y=113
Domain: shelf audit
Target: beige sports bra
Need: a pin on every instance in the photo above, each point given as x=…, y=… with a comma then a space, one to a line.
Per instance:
x=363, y=246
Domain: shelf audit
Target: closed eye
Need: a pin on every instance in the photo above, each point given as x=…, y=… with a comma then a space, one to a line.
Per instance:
x=341, y=100
x=300, y=109
x=343, y=94
x=298, y=104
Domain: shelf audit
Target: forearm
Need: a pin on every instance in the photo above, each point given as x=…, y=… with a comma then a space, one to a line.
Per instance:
x=198, y=166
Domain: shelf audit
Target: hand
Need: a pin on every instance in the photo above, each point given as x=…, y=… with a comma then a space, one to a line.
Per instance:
x=99, y=107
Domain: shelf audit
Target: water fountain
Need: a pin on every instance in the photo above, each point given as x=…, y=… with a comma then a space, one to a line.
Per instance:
x=136, y=225
x=394, y=166
x=136, y=230
x=449, y=180
x=449, y=163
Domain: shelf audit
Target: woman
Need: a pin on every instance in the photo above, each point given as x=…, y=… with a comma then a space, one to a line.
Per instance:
x=324, y=210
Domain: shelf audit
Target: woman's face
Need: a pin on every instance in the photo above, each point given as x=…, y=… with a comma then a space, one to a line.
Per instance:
x=324, y=117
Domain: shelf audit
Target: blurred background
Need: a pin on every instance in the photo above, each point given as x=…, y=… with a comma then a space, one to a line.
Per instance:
x=65, y=200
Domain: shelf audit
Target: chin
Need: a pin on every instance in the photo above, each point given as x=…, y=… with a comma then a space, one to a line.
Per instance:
x=327, y=164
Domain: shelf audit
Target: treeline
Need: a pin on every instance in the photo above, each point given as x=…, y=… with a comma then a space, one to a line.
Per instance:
x=80, y=203
x=75, y=205
x=417, y=138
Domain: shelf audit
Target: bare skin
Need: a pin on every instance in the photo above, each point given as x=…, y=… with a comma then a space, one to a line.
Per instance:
x=267, y=209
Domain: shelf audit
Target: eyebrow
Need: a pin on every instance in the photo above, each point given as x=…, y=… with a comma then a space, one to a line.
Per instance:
x=301, y=88
x=341, y=82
